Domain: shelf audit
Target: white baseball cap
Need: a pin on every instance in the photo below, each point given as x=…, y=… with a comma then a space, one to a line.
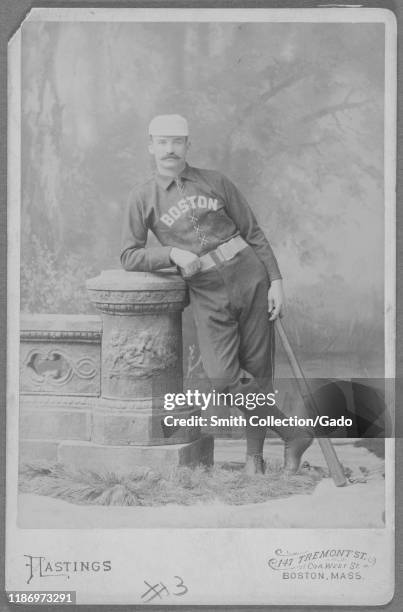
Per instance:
x=168, y=125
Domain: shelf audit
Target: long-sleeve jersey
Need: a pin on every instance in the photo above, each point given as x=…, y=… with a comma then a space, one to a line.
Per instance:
x=197, y=213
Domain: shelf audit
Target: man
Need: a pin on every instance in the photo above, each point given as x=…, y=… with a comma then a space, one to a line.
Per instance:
x=207, y=229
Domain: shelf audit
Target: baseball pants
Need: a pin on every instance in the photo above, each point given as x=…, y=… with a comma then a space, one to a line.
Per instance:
x=230, y=308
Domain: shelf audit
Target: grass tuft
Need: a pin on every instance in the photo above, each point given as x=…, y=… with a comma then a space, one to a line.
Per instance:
x=223, y=483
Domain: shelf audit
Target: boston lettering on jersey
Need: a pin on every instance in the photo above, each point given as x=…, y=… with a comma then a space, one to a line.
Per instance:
x=174, y=212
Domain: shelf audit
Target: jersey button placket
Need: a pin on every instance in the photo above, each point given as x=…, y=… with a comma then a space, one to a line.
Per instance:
x=201, y=236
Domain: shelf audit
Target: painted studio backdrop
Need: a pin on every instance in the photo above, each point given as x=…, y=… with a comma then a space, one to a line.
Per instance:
x=292, y=113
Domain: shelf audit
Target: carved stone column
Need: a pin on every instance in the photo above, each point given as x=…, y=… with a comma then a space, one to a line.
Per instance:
x=141, y=360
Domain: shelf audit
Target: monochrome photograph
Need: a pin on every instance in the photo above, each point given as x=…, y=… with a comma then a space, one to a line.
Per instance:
x=201, y=306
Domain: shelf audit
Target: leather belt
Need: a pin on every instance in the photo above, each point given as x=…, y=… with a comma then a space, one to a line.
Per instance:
x=222, y=253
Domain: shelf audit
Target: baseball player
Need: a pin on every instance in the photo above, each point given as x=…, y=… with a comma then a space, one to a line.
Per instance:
x=207, y=229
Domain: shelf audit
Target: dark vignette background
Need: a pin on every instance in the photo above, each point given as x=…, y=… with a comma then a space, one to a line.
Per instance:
x=11, y=14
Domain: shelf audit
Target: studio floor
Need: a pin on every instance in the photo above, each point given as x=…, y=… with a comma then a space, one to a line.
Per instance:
x=358, y=505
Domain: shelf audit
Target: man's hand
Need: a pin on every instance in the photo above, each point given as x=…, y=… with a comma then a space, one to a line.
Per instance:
x=186, y=260
x=276, y=299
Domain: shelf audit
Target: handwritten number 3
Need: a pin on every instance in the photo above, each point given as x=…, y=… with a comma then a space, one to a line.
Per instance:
x=182, y=585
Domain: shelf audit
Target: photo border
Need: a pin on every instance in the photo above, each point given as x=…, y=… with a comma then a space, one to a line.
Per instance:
x=11, y=15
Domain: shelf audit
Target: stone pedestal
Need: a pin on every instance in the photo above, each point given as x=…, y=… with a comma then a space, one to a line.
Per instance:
x=123, y=460
x=141, y=360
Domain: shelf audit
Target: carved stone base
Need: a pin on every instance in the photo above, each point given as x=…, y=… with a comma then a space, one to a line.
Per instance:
x=55, y=424
x=55, y=417
x=117, y=423
x=124, y=459
x=38, y=450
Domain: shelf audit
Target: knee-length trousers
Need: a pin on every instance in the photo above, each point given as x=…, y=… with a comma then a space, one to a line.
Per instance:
x=230, y=309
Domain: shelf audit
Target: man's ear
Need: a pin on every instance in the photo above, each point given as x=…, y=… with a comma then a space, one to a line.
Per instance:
x=151, y=145
x=188, y=144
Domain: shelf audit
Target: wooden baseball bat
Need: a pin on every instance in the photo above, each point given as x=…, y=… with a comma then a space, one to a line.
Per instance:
x=333, y=463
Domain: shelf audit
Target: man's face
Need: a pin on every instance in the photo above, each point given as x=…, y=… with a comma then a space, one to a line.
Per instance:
x=169, y=151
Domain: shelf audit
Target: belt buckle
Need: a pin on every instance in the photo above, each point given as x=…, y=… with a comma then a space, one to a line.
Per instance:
x=226, y=250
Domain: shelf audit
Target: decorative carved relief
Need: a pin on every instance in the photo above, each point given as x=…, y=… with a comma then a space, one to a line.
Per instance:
x=33, y=401
x=56, y=367
x=139, y=356
x=142, y=297
x=51, y=336
x=139, y=308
